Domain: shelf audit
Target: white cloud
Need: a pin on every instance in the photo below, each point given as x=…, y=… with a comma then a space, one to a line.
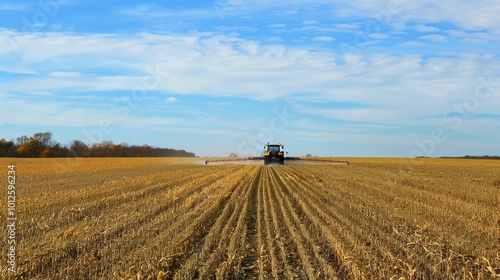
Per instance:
x=171, y=99
x=50, y=113
x=149, y=11
x=64, y=74
x=412, y=44
x=434, y=37
x=12, y=7
x=277, y=25
x=398, y=25
x=425, y=28
x=142, y=122
x=355, y=115
x=310, y=22
x=221, y=103
x=472, y=37
x=323, y=39
x=465, y=14
x=40, y=93
x=289, y=12
x=345, y=27
x=379, y=36
x=474, y=41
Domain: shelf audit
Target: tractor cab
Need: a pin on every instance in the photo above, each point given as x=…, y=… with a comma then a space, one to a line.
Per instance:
x=276, y=148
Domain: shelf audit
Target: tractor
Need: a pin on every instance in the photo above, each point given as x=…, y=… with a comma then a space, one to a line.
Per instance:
x=273, y=153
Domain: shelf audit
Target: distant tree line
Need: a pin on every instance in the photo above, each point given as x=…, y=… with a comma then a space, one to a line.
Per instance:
x=476, y=157
x=41, y=145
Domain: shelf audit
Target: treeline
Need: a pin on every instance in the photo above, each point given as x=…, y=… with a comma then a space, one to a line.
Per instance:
x=41, y=145
x=475, y=157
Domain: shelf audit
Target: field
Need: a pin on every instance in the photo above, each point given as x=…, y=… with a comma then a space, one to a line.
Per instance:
x=157, y=218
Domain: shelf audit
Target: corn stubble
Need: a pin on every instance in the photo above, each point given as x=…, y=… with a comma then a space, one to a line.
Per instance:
x=161, y=219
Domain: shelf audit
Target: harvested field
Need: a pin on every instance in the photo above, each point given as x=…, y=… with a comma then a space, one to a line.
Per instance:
x=159, y=218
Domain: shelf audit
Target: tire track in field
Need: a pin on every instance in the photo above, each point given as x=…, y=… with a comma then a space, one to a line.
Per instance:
x=292, y=239
x=324, y=221
x=262, y=249
x=272, y=263
x=250, y=263
x=287, y=247
x=283, y=256
x=310, y=244
x=192, y=238
x=236, y=249
x=224, y=246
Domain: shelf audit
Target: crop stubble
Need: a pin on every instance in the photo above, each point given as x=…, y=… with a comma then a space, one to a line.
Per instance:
x=161, y=219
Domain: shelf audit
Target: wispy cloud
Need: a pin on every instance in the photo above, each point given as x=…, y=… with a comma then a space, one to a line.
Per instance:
x=150, y=11
x=64, y=74
x=425, y=28
x=171, y=99
x=12, y=6
x=323, y=39
x=277, y=25
x=379, y=36
x=434, y=37
x=310, y=22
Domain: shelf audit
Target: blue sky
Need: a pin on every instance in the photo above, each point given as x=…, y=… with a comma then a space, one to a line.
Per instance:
x=363, y=78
